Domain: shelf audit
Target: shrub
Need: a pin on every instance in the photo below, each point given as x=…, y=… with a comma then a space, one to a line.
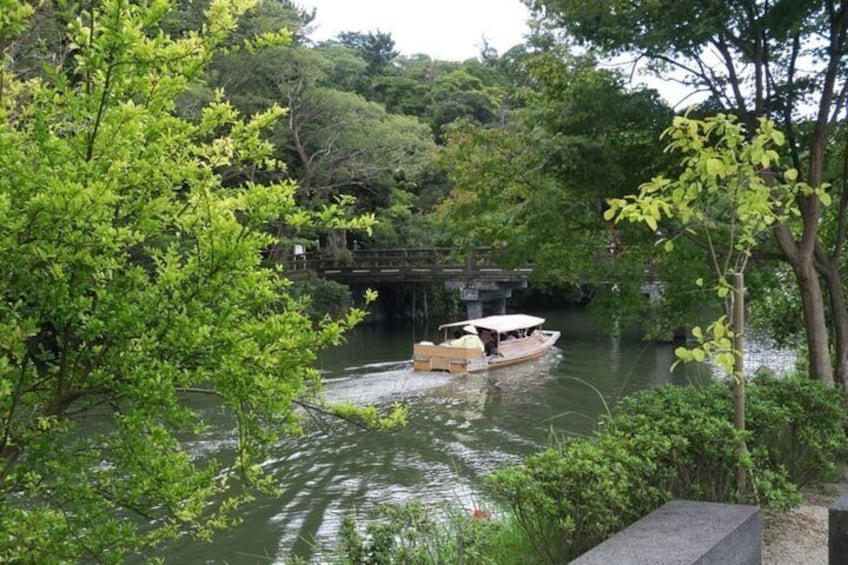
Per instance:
x=705, y=444
x=567, y=499
x=702, y=440
x=800, y=425
x=321, y=296
x=416, y=534
x=674, y=442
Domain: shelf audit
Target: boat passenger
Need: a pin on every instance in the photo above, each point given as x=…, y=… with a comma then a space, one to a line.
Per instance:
x=470, y=340
x=488, y=341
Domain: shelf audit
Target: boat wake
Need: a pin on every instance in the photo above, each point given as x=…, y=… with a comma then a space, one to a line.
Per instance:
x=396, y=383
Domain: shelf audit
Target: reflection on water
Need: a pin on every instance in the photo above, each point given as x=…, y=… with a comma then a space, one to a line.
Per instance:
x=461, y=427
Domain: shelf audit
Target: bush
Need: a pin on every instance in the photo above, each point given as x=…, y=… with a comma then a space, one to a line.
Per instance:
x=322, y=297
x=800, y=424
x=663, y=443
x=415, y=534
x=702, y=442
x=701, y=465
x=569, y=498
x=675, y=442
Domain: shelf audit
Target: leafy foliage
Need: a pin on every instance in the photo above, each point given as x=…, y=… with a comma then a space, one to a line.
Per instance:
x=801, y=425
x=725, y=199
x=413, y=533
x=569, y=498
x=674, y=442
x=783, y=61
x=133, y=283
x=321, y=296
x=725, y=187
x=536, y=185
x=376, y=49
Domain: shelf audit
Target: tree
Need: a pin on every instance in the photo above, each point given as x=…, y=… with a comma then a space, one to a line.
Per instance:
x=334, y=141
x=376, y=49
x=536, y=186
x=133, y=281
x=725, y=198
x=754, y=59
x=459, y=94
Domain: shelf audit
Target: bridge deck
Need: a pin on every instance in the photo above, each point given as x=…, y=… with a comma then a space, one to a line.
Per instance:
x=408, y=265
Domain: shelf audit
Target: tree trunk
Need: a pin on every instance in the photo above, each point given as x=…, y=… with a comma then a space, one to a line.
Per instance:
x=800, y=257
x=835, y=290
x=815, y=324
x=337, y=239
x=738, y=320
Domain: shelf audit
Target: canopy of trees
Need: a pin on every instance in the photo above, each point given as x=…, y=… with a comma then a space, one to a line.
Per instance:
x=784, y=60
x=132, y=282
x=158, y=157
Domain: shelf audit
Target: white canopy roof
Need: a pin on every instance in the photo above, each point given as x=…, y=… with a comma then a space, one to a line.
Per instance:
x=501, y=324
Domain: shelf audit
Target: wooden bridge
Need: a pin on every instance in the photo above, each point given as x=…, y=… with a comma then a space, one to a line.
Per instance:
x=408, y=265
x=474, y=273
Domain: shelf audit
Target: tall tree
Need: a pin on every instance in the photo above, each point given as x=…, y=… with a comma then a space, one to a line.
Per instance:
x=376, y=49
x=722, y=198
x=335, y=142
x=781, y=59
x=538, y=183
x=133, y=284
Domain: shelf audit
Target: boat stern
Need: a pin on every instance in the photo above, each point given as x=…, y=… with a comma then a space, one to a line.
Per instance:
x=429, y=357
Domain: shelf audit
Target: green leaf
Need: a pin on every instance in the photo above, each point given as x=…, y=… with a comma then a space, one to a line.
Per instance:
x=683, y=353
x=825, y=198
x=715, y=167
x=652, y=222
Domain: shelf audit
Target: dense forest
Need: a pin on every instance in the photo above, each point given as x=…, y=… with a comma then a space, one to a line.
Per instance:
x=159, y=160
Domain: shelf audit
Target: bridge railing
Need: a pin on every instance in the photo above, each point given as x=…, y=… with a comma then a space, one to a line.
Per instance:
x=395, y=258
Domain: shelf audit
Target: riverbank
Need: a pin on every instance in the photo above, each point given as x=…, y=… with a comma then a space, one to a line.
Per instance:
x=799, y=536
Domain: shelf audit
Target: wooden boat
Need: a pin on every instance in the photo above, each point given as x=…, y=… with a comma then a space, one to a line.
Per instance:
x=514, y=338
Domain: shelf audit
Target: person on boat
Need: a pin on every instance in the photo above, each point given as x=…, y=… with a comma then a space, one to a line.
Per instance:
x=470, y=340
x=488, y=341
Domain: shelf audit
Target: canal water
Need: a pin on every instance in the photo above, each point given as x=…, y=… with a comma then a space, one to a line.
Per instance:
x=461, y=427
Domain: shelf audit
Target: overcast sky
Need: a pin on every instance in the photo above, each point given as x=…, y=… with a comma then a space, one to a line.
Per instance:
x=448, y=30
x=451, y=30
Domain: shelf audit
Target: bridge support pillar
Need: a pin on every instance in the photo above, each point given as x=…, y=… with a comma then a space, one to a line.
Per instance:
x=484, y=297
x=473, y=309
x=498, y=306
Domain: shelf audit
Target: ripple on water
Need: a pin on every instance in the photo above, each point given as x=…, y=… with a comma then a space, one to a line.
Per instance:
x=461, y=427
x=381, y=386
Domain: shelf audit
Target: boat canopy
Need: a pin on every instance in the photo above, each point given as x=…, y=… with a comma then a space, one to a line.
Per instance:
x=501, y=324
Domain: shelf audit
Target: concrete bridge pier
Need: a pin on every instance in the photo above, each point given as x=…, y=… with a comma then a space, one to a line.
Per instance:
x=484, y=297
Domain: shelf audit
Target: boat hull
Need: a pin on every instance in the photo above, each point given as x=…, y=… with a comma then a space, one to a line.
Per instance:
x=430, y=357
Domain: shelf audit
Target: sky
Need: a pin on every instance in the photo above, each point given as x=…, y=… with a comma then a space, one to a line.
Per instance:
x=448, y=30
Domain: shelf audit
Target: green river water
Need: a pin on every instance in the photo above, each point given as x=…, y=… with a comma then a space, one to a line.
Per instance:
x=461, y=427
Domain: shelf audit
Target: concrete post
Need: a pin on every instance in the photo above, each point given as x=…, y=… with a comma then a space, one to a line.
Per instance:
x=684, y=532
x=837, y=531
x=498, y=306
x=474, y=309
